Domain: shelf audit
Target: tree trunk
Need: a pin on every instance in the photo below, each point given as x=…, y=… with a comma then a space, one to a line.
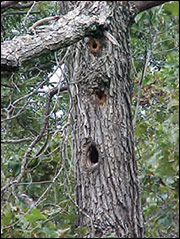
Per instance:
x=106, y=184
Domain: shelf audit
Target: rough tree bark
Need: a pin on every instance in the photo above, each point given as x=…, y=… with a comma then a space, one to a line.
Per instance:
x=62, y=32
x=106, y=186
x=106, y=172
x=107, y=190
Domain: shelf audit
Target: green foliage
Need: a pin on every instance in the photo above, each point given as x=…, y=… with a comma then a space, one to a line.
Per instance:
x=157, y=125
x=34, y=216
x=55, y=211
x=172, y=8
x=110, y=235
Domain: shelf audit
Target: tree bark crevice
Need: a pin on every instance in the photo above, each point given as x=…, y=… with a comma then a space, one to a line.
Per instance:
x=107, y=190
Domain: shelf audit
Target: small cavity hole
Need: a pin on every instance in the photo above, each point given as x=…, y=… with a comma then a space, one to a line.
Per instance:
x=93, y=154
x=94, y=45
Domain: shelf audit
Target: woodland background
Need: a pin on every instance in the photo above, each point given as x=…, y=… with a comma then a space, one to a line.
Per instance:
x=49, y=180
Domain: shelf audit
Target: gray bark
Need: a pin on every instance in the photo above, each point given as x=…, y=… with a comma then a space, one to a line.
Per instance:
x=64, y=32
x=69, y=29
x=106, y=173
x=107, y=192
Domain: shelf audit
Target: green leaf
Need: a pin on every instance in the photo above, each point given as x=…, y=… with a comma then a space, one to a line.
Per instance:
x=48, y=232
x=6, y=219
x=172, y=8
x=81, y=231
x=138, y=17
x=165, y=220
x=35, y=215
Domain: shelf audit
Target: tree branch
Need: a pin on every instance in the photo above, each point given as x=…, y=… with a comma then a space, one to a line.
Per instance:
x=5, y=4
x=35, y=140
x=15, y=141
x=14, y=4
x=144, y=5
x=66, y=31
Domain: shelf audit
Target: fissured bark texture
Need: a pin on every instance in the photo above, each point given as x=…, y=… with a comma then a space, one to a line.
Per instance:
x=107, y=192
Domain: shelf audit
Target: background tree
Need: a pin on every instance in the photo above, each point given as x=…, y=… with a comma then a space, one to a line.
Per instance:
x=29, y=117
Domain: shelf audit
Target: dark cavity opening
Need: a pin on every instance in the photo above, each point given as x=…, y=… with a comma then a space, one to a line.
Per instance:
x=100, y=97
x=100, y=94
x=94, y=45
x=93, y=154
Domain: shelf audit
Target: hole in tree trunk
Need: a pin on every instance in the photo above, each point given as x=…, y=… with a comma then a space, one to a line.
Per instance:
x=94, y=45
x=93, y=155
x=100, y=97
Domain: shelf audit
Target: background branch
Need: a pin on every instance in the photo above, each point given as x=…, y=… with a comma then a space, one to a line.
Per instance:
x=144, y=5
x=6, y=4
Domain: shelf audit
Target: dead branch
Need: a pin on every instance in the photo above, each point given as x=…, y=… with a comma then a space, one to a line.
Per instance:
x=68, y=30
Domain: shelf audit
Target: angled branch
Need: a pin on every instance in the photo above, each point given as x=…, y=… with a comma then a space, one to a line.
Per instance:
x=5, y=4
x=66, y=31
x=15, y=141
x=35, y=140
x=144, y=5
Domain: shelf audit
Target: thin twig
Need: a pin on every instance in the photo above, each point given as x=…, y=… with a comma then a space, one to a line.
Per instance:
x=140, y=87
x=28, y=13
x=38, y=201
x=147, y=59
x=15, y=141
x=148, y=55
x=39, y=22
x=35, y=141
